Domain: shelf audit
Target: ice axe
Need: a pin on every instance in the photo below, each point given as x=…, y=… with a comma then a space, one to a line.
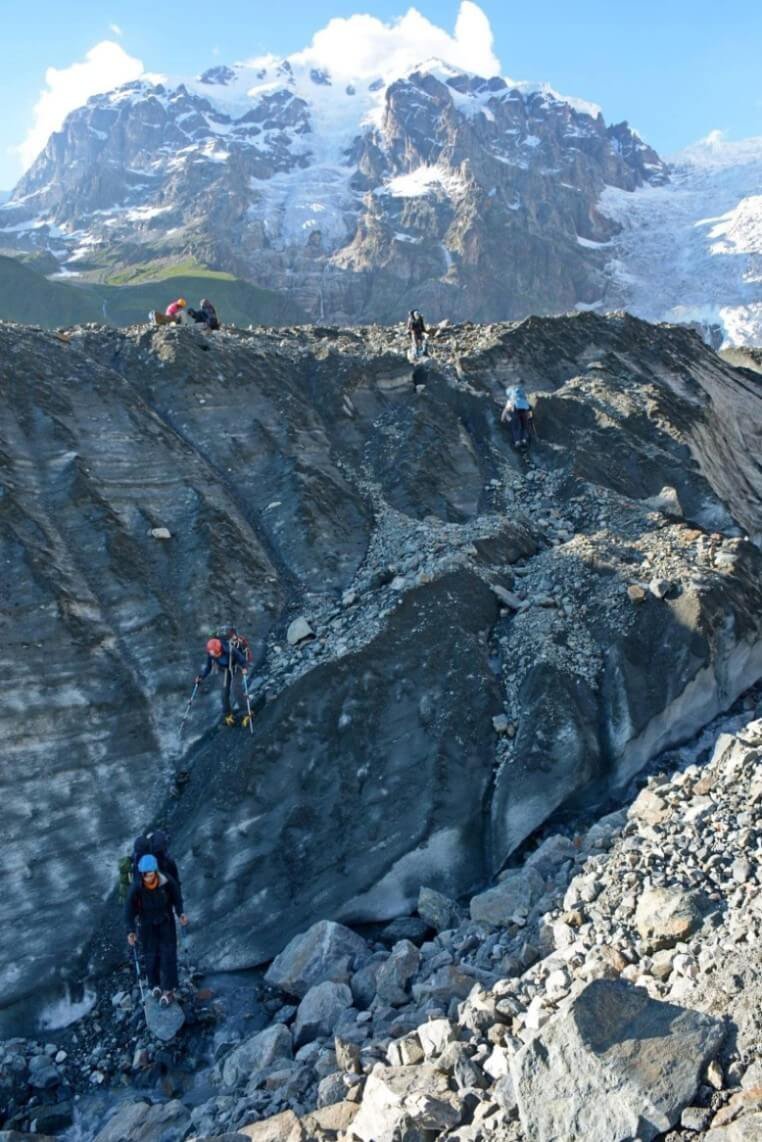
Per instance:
x=190, y=703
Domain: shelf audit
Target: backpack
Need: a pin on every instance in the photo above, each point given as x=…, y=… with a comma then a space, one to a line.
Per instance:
x=238, y=641
x=211, y=314
x=518, y=397
x=128, y=865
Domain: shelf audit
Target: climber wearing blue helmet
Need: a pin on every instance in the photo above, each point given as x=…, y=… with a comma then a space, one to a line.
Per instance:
x=152, y=905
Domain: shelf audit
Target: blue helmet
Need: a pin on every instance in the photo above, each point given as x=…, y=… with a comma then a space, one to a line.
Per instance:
x=148, y=863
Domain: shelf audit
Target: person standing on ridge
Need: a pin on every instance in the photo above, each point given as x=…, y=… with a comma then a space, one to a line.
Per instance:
x=519, y=412
x=417, y=330
x=154, y=903
x=222, y=655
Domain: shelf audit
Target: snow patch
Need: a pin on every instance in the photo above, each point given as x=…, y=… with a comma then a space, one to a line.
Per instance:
x=65, y=1011
x=423, y=180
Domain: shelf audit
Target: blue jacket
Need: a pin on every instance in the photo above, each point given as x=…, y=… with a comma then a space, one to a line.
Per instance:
x=223, y=662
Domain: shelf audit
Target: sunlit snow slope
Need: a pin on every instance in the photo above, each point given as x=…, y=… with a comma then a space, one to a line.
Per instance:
x=691, y=250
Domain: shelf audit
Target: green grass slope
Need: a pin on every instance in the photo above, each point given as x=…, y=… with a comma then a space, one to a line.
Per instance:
x=27, y=296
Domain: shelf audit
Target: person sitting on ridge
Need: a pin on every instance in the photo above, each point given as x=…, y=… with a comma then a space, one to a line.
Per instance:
x=220, y=655
x=417, y=329
x=206, y=314
x=519, y=412
x=153, y=903
x=175, y=311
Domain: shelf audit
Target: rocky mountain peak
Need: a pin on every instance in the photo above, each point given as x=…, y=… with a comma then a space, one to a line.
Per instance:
x=356, y=197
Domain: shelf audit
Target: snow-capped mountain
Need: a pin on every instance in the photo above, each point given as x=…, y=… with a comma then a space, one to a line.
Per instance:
x=691, y=249
x=357, y=198
x=469, y=197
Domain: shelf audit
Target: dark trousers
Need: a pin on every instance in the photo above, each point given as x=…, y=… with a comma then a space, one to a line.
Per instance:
x=160, y=953
x=227, y=679
x=227, y=682
x=520, y=425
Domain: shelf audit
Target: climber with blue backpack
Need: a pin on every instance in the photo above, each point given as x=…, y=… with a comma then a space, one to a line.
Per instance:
x=518, y=412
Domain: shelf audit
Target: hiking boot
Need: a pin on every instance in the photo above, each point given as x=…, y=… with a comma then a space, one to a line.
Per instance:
x=167, y=998
x=247, y=720
x=156, y=993
x=230, y=720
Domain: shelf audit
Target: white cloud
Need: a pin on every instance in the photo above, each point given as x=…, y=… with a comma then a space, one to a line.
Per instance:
x=105, y=66
x=115, y=30
x=363, y=46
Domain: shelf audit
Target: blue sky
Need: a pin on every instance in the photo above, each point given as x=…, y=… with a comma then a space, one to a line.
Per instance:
x=676, y=69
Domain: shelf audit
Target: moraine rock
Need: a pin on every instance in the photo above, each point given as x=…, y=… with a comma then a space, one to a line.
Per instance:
x=284, y=1127
x=665, y=916
x=397, y=1099
x=615, y=1066
x=299, y=631
x=256, y=1054
x=326, y=951
x=395, y=974
x=513, y=897
x=137, y=1121
x=437, y=909
x=320, y=1011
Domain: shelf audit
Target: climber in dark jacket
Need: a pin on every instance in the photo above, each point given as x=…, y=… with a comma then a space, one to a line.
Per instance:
x=206, y=314
x=153, y=905
x=417, y=329
x=220, y=655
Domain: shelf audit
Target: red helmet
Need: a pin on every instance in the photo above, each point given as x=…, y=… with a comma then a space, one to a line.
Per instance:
x=214, y=647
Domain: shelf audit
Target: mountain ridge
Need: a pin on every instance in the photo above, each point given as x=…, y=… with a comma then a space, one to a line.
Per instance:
x=354, y=201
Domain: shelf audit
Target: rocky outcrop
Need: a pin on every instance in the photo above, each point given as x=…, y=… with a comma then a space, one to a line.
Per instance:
x=486, y=643
x=617, y=1065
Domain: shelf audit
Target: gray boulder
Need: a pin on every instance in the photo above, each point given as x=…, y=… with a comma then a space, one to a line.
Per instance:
x=400, y=1099
x=256, y=1053
x=326, y=951
x=509, y=900
x=284, y=1127
x=438, y=910
x=320, y=1011
x=395, y=974
x=617, y=1065
x=144, y=1122
x=666, y=915
x=43, y=1074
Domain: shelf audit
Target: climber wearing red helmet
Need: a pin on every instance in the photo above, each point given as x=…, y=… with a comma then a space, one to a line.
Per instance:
x=222, y=656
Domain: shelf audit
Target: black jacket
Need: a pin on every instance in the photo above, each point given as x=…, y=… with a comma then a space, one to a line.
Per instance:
x=153, y=905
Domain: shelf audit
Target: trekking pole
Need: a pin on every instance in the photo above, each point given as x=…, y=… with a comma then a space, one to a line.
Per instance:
x=190, y=703
x=138, y=973
x=185, y=955
x=248, y=704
